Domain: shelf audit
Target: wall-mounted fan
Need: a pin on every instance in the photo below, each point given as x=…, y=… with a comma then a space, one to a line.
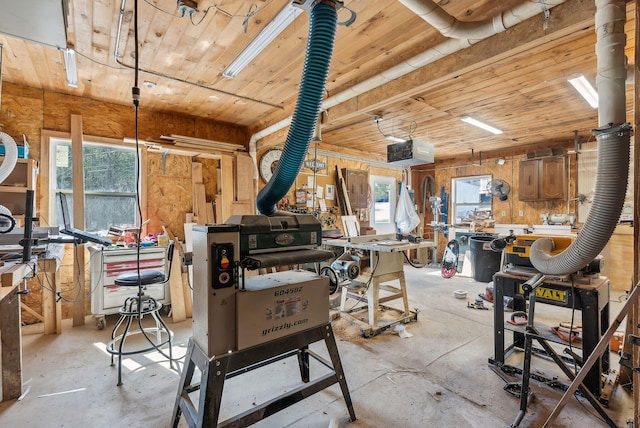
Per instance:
x=499, y=188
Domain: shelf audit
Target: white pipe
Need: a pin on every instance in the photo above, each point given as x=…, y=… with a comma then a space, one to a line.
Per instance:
x=448, y=47
x=10, y=156
x=612, y=73
x=449, y=26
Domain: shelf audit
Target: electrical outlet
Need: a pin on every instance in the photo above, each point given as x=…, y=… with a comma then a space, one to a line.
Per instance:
x=504, y=213
x=521, y=213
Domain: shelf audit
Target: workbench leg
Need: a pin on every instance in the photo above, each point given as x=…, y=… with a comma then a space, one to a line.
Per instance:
x=343, y=297
x=51, y=307
x=403, y=289
x=373, y=294
x=591, y=331
x=11, y=343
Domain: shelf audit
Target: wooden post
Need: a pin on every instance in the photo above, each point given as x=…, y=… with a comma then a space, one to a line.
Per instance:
x=633, y=320
x=78, y=217
x=226, y=186
x=51, y=306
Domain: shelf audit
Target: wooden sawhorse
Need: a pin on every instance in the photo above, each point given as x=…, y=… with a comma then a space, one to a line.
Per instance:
x=215, y=370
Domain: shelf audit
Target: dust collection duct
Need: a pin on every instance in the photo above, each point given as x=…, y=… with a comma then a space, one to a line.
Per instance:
x=613, y=137
x=322, y=34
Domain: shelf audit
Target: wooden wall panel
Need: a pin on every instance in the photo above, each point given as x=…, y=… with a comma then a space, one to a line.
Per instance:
x=103, y=119
x=169, y=194
x=19, y=115
x=443, y=172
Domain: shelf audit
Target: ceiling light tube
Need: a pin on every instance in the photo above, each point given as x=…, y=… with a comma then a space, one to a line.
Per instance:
x=266, y=36
x=585, y=89
x=70, y=67
x=395, y=139
x=479, y=124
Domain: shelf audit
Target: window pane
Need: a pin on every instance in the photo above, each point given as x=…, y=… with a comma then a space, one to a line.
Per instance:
x=381, y=205
x=64, y=171
x=109, y=184
x=108, y=169
x=102, y=211
x=471, y=198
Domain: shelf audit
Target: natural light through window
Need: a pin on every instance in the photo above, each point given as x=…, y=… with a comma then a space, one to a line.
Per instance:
x=109, y=183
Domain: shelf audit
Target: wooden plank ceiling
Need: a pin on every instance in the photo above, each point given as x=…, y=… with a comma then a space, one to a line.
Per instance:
x=515, y=80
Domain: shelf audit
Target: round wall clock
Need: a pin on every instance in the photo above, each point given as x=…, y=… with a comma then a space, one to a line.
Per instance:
x=268, y=164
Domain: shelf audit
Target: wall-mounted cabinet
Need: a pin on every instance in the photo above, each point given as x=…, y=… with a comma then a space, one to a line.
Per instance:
x=357, y=183
x=13, y=190
x=543, y=179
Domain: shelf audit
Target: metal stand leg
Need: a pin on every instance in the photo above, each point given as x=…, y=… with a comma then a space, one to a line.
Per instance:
x=215, y=370
x=136, y=308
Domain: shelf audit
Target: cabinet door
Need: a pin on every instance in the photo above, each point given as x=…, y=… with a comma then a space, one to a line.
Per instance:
x=357, y=182
x=552, y=178
x=528, y=186
x=363, y=189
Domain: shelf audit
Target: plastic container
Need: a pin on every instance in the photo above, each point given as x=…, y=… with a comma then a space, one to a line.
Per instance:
x=460, y=294
x=484, y=261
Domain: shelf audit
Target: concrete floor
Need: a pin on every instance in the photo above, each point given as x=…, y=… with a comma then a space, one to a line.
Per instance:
x=439, y=377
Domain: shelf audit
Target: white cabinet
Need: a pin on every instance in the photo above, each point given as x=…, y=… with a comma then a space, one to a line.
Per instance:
x=107, y=264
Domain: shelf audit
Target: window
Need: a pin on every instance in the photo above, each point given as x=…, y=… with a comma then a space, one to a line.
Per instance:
x=470, y=197
x=109, y=183
x=384, y=204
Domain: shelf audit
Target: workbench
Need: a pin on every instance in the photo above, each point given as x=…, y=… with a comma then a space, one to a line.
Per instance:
x=10, y=335
x=386, y=264
x=589, y=295
x=12, y=275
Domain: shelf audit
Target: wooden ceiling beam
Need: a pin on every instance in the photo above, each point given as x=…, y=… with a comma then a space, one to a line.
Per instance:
x=570, y=19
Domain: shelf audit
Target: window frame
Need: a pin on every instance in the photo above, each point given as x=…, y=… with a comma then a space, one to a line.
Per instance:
x=47, y=198
x=454, y=205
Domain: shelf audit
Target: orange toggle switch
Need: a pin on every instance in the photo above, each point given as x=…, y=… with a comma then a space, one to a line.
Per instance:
x=224, y=262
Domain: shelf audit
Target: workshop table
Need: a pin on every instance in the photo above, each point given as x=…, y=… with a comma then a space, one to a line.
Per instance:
x=10, y=336
x=386, y=260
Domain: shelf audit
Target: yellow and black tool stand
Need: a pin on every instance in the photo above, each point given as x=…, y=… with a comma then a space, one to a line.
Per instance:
x=215, y=370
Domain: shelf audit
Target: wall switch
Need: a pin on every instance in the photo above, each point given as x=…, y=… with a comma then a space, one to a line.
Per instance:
x=521, y=213
x=504, y=213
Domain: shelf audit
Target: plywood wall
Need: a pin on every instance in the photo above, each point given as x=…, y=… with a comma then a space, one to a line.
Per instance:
x=169, y=196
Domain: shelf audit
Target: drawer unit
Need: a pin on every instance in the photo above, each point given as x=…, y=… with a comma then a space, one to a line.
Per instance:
x=107, y=264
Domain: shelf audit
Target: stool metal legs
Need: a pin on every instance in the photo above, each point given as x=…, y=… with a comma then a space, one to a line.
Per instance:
x=135, y=308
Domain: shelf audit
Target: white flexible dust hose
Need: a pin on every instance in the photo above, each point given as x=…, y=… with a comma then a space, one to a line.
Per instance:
x=613, y=138
x=611, y=185
x=10, y=156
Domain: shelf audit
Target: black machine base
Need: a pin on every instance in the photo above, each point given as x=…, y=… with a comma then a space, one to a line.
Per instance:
x=216, y=370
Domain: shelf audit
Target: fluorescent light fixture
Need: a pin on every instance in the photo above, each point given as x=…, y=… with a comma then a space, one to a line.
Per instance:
x=266, y=36
x=70, y=67
x=479, y=124
x=395, y=139
x=585, y=89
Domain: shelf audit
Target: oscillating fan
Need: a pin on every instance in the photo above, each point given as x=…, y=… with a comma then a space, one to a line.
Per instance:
x=499, y=188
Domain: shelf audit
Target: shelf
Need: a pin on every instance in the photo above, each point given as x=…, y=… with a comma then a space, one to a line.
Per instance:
x=545, y=333
x=14, y=189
